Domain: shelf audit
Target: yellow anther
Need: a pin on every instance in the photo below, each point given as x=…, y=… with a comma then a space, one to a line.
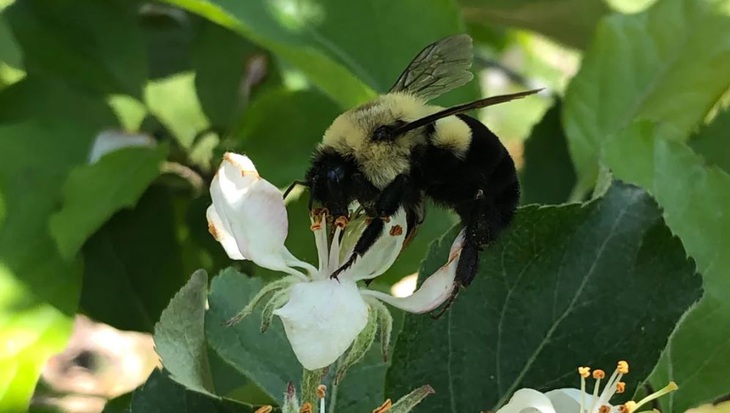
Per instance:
x=584, y=372
x=623, y=367
x=396, y=230
x=306, y=408
x=316, y=226
x=264, y=409
x=630, y=406
x=604, y=409
x=321, y=391
x=599, y=374
x=384, y=407
x=620, y=387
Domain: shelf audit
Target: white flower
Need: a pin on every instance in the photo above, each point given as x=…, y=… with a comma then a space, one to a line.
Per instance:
x=322, y=317
x=578, y=400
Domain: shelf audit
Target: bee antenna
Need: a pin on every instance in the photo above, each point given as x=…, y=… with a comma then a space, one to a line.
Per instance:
x=477, y=104
x=293, y=184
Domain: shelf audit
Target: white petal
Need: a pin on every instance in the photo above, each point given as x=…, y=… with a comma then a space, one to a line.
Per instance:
x=568, y=400
x=252, y=211
x=529, y=401
x=322, y=319
x=111, y=140
x=434, y=291
x=222, y=233
x=383, y=253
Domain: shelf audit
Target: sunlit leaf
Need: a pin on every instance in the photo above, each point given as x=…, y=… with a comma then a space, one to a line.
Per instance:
x=668, y=64
x=695, y=199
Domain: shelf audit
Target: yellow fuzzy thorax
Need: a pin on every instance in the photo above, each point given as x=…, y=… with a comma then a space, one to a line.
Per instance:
x=381, y=162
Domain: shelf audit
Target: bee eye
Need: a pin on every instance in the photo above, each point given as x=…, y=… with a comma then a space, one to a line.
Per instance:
x=383, y=133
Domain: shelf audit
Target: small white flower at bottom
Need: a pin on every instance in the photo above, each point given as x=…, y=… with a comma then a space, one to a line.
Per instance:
x=578, y=400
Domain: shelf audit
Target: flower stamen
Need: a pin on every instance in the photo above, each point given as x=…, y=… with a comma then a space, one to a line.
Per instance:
x=620, y=387
x=341, y=222
x=306, y=408
x=321, y=393
x=598, y=374
x=604, y=409
x=672, y=386
x=584, y=373
x=264, y=409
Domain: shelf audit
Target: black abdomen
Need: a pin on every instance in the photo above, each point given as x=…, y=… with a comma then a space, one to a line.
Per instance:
x=456, y=183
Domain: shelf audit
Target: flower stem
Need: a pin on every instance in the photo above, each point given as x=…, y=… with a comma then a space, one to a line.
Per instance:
x=333, y=392
x=310, y=381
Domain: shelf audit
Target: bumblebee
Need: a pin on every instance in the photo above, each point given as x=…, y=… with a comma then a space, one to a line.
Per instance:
x=397, y=150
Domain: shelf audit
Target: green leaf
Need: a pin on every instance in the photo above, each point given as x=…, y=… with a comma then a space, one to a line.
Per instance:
x=553, y=18
x=669, y=64
x=39, y=290
x=10, y=53
x=32, y=331
x=548, y=175
x=220, y=58
x=161, y=394
x=96, y=48
x=695, y=199
x=92, y=193
x=174, y=102
x=121, y=259
x=265, y=358
x=180, y=336
x=566, y=286
x=316, y=37
x=712, y=142
x=268, y=140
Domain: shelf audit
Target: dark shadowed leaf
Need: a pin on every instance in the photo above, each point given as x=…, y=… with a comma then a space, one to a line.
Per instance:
x=180, y=336
x=695, y=199
x=98, y=47
x=554, y=18
x=672, y=70
x=134, y=264
x=161, y=394
x=93, y=193
x=566, y=286
x=548, y=175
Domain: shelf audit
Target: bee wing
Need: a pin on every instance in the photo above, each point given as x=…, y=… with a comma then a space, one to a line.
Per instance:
x=438, y=68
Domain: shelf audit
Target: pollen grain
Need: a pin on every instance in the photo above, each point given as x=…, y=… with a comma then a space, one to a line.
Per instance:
x=623, y=367
x=321, y=391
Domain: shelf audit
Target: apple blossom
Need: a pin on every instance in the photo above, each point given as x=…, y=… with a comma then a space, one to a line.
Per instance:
x=322, y=317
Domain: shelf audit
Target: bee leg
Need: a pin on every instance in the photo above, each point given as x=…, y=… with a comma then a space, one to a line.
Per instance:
x=477, y=233
x=367, y=239
x=390, y=199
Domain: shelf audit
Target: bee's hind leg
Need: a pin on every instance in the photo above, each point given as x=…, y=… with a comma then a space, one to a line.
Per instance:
x=479, y=231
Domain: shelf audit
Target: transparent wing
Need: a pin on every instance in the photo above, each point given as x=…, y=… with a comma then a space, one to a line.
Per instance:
x=438, y=68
